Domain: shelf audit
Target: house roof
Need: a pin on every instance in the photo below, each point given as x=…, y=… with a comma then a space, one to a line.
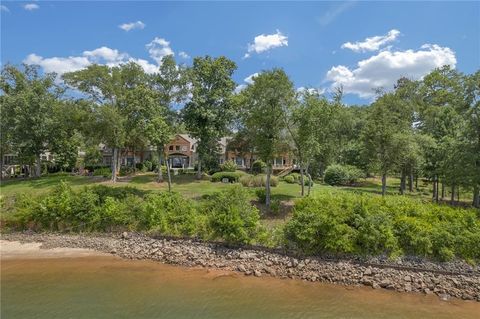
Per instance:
x=188, y=138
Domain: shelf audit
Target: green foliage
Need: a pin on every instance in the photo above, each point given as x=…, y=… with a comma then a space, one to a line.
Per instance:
x=103, y=171
x=228, y=166
x=258, y=180
x=148, y=166
x=232, y=177
x=231, y=217
x=126, y=170
x=367, y=224
x=261, y=194
x=258, y=167
x=289, y=179
x=337, y=174
x=171, y=214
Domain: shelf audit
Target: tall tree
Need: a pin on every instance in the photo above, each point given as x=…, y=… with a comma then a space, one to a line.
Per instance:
x=210, y=111
x=171, y=85
x=111, y=88
x=265, y=103
x=27, y=111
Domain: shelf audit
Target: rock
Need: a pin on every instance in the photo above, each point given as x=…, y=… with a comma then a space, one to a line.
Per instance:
x=257, y=273
x=124, y=235
x=367, y=272
x=407, y=278
x=427, y=291
x=385, y=283
x=241, y=268
x=376, y=286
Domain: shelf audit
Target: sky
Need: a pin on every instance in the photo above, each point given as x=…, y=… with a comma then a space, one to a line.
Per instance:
x=359, y=45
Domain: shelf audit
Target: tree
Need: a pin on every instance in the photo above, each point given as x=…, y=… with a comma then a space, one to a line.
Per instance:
x=27, y=112
x=265, y=103
x=382, y=135
x=171, y=86
x=111, y=89
x=210, y=111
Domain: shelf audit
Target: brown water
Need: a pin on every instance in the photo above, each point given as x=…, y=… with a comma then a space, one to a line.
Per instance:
x=108, y=287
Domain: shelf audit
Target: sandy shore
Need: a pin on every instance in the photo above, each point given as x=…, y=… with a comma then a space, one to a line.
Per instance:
x=17, y=250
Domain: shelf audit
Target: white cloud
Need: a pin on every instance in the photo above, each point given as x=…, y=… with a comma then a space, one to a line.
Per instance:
x=183, y=55
x=159, y=48
x=58, y=64
x=372, y=43
x=248, y=80
x=318, y=91
x=132, y=26
x=265, y=42
x=102, y=55
x=31, y=6
x=105, y=54
x=385, y=68
x=4, y=8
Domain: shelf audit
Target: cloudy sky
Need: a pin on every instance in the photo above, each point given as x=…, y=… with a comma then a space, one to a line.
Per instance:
x=359, y=45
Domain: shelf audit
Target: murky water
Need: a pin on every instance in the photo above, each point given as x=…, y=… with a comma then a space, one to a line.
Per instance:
x=108, y=287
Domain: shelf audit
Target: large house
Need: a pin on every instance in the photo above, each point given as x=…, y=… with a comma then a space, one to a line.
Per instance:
x=182, y=152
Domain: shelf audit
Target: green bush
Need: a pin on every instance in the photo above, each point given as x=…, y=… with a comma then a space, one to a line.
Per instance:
x=228, y=166
x=171, y=214
x=232, y=177
x=148, y=166
x=258, y=167
x=103, y=171
x=258, y=180
x=126, y=170
x=261, y=194
x=231, y=217
x=341, y=175
x=289, y=179
x=120, y=193
x=371, y=225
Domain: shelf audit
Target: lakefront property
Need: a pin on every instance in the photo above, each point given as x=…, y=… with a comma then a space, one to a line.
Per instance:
x=239, y=160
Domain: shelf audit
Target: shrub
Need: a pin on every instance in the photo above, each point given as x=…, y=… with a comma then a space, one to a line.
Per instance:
x=103, y=171
x=232, y=177
x=258, y=167
x=126, y=170
x=120, y=193
x=289, y=179
x=341, y=174
x=148, y=166
x=261, y=195
x=228, y=166
x=231, y=217
x=258, y=180
x=394, y=225
x=170, y=214
x=140, y=167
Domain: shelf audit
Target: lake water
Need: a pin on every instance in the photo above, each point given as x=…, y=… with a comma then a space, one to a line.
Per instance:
x=110, y=287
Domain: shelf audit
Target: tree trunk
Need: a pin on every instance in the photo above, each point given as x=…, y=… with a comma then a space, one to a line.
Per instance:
x=436, y=195
x=452, y=198
x=38, y=166
x=458, y=194
x=416, y=182
x=410, y=180
x=199, y=169
x=267, y=187
x=114, y=164
x=251, y=162
x=160, y=158
x=443, y=190
x=403, y=180
x=302, y=180
x=384, y=184
x=434, y=191
x=309, y=182
x=169, y=176
x=476, y=196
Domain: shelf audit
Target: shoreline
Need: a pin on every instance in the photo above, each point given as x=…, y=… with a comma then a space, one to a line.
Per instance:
x=446, y=280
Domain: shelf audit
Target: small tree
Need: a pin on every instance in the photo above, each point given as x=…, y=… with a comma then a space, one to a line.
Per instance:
x=265, y=103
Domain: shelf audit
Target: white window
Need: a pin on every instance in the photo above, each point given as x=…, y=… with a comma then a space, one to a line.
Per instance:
x=184, y=148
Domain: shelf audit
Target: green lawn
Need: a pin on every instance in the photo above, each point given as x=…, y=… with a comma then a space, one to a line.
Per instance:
x=190, y=187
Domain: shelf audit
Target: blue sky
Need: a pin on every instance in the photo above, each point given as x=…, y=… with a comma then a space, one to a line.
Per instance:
x=359, y=45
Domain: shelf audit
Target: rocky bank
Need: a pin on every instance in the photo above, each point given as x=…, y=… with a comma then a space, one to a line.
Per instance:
x=447, y=280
